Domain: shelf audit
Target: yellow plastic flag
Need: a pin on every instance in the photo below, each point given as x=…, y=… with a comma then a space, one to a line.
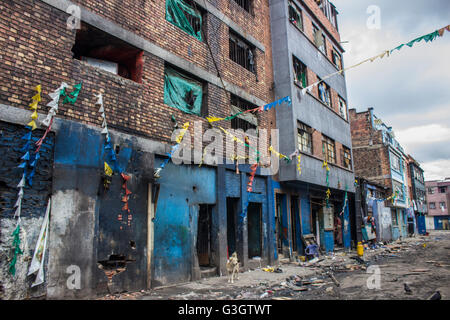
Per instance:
x=32, y=124
x=214, y=119
x=38, y=88
x=182, y=133
x=108, y=170
x=33, y=105
x=34, y=115
x=37, y=97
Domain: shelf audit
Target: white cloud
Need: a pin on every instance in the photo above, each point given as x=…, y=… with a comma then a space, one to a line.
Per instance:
x=429, y=133
x=436, y=170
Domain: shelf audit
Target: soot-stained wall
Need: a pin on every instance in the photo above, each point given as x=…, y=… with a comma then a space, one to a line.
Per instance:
x=34, y=205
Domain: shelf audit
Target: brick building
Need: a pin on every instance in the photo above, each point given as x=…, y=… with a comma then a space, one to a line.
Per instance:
x=306, y=48
x=417, y=192
x=438, y=197
x=378, y=157
x=134, y=53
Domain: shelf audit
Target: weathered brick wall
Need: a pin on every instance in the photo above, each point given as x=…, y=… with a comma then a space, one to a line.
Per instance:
x=34, y=205
x=37, y=50
x=371, y=157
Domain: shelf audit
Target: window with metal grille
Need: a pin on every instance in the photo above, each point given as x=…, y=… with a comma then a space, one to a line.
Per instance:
x=343, y=108
x=295, y=16
x=347, y=158
x=432, y=205
x=249, y=121
x=244, y=4
x=300, y=77
x=304, y=138
x=241, y=52
x=328, y=150
x=324, y=92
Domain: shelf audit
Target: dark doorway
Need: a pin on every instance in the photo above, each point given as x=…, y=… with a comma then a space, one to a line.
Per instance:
x=279, y=223
x=204, y=235
x=254, y=216
x=294, y=219
x=232, y=205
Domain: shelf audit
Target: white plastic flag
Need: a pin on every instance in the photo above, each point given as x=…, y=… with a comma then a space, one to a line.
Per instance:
x=37, y=264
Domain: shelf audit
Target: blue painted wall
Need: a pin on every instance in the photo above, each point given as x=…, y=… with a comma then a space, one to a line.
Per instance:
x=176, y=213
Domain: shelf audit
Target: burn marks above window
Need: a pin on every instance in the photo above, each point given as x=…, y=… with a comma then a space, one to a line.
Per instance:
x=242, y=52
x=107, y=52
x=245, y=4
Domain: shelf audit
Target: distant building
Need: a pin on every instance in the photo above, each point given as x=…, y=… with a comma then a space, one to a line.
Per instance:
x=438, y=195
x=417, y=193
x=379, y=158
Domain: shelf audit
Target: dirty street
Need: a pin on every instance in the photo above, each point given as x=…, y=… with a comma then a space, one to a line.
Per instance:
x=422, y=263
x=226, y=153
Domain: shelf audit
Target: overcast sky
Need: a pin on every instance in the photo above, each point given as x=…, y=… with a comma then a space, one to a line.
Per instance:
x=409, y=90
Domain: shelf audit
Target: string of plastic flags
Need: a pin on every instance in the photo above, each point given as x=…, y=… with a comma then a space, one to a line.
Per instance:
x=30, y=158
x=427, y=38
x=328, y=192
x=112, y=158
x=25, y=176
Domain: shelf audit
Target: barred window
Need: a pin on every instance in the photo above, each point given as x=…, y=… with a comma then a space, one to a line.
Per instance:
x=295, y=16
x=343, y=108
x=300, y=76
x=244, y=4
x=241, y=52
x=347, y=158
x=246, y=121
x=328, y=150
x=304, y=138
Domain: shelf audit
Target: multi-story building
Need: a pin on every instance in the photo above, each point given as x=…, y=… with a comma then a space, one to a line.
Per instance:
x=438, y=197
x=311, y=200
x=156, y=63
x=417, y=193
x=379, y=157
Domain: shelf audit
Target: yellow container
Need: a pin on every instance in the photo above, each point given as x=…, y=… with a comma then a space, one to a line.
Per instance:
x=360, y=249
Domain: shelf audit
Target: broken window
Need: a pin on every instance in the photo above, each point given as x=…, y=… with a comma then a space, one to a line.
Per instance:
x=186, y=16
x=304, y=138
x=324, y=92
x=295, y=16
x=432, y=205
x=442, y=205
x=329, y=10
x=182, y=91
x=395, y=162
x=328, y=150
x=319, y=39
x=343, y=108
x=431, y=190
x=242, y=52
x=300, y=76
x=244, y=4
x=442, y=189
x=244, y=121
x=104, y=51
x=347, y=158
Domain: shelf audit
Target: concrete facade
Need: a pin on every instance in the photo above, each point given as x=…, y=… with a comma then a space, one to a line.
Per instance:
x=300, y=198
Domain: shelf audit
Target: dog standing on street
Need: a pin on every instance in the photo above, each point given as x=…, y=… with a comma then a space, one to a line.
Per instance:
x=233, y=268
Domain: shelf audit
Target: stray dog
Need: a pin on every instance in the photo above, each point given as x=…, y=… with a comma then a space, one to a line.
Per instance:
x=233, y=268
